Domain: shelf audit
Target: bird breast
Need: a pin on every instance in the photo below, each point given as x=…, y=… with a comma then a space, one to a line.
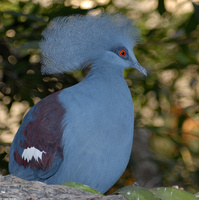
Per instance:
x=100, y=116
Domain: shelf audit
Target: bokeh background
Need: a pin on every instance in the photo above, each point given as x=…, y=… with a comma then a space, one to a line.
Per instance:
x=166, y=102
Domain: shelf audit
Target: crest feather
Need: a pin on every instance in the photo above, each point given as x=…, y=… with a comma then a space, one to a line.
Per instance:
x=70, y=43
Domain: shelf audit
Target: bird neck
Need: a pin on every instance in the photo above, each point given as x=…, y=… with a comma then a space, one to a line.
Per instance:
x=106, y=73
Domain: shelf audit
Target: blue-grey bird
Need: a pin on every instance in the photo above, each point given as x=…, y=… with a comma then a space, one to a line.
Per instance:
x=83, y=133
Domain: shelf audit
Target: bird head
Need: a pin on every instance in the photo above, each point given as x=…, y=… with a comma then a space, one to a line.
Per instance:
x=71, y=43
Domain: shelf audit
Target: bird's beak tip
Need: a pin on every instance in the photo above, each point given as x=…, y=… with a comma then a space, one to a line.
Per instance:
x=144, y=72
x=140, y=68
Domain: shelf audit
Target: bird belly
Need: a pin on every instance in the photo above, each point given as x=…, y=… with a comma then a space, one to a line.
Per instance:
x=95, y=164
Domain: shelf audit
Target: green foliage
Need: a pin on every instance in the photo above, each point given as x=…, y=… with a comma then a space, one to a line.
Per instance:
x=135, y=192
x=166, y=102
x=82, y=187
x=140, y=193
x=164, y=193
x=170, y=95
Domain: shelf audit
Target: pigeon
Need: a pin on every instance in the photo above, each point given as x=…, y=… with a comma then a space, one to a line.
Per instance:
x=83, y=133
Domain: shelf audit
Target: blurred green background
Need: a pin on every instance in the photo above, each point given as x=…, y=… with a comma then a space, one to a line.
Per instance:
x=166, y=102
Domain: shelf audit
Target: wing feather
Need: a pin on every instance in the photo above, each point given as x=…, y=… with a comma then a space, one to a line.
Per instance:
x=39, y=139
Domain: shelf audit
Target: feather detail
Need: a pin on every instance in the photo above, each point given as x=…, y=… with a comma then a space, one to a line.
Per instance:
x=71, y=43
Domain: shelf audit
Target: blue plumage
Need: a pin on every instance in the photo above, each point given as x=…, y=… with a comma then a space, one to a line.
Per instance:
x=83, y=133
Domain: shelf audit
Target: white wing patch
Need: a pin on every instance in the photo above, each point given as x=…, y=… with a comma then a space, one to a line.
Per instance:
x=32, y=152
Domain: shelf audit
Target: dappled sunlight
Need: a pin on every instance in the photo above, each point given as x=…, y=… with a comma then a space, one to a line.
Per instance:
x=11, y=120
x=179, y=7
x=187, y=87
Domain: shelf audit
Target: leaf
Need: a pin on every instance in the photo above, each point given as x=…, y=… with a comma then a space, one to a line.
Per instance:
x=8, y=6
x=135, y=193
x=29, y=45
x=193, y=21
x=168, y=193
x=82, y=187
x=161, y=7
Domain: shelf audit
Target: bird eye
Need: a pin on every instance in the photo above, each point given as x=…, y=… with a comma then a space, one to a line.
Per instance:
x=122, y=53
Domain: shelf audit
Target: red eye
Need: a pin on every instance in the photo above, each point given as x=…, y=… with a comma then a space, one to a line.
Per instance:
x=122, y=53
